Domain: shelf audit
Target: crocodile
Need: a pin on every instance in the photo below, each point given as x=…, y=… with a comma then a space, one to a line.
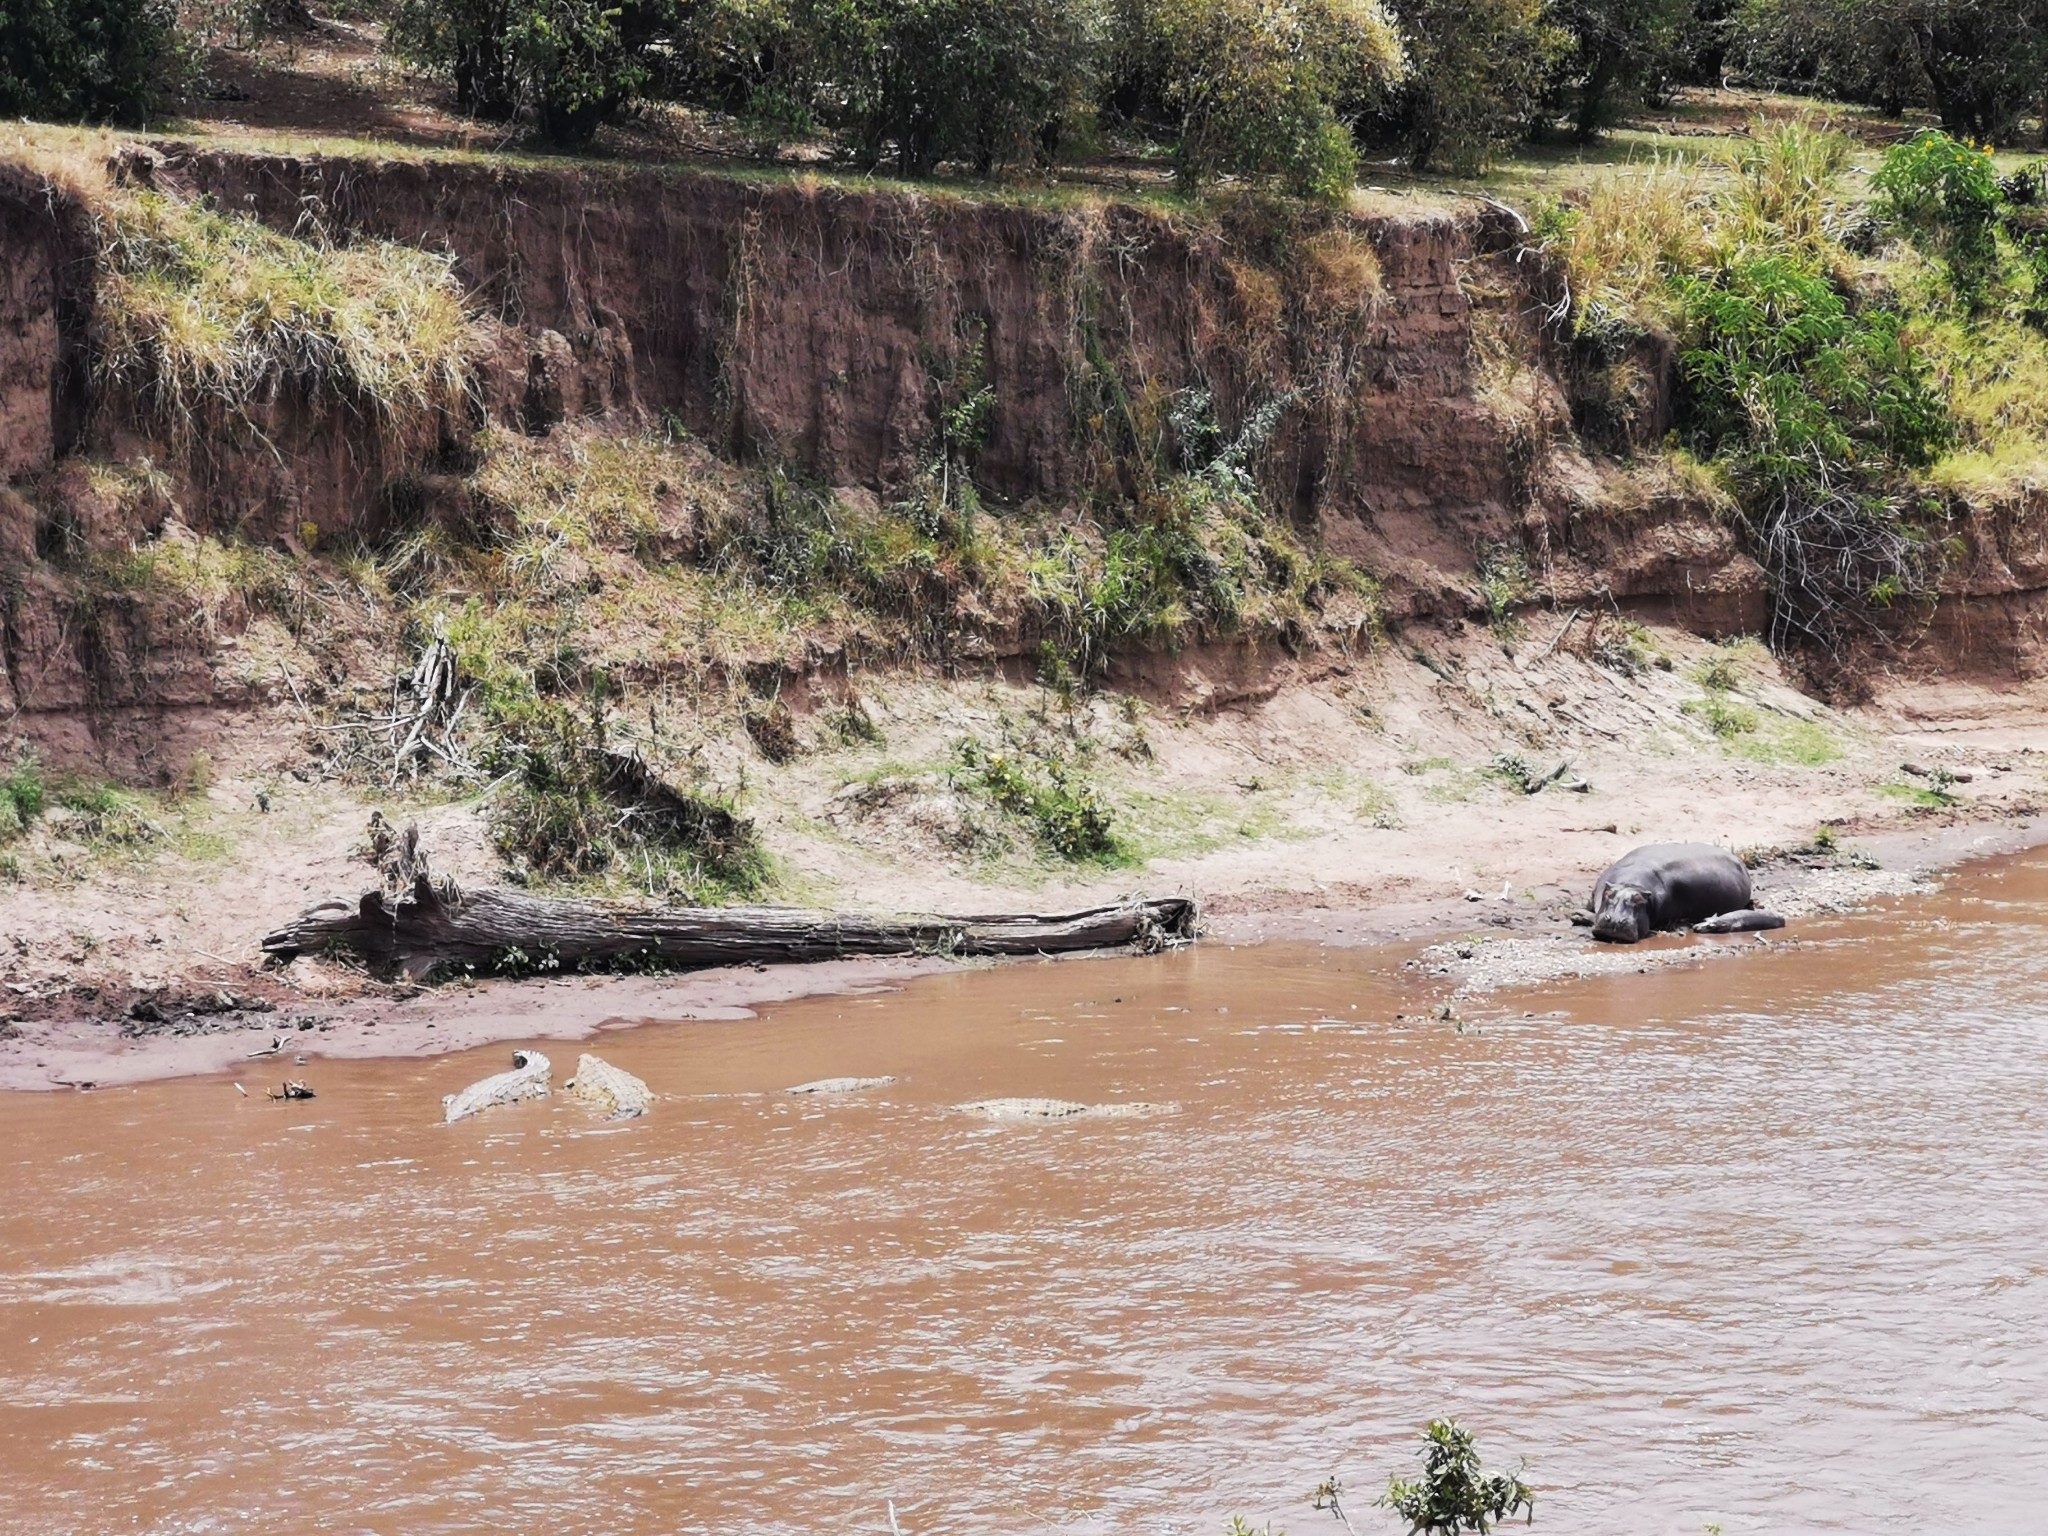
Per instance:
x=604, y=1085
x=528, y=1079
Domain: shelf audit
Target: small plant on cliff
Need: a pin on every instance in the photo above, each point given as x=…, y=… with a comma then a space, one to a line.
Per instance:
x=1504, y=584
x=22, y=797
x=1455, y=1494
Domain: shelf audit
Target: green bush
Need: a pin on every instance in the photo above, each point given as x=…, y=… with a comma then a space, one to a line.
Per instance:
x=1978, y=63
x=1263, y=89
x=1780, y=371
x=1454, y=1494
x=1619, y=50
x=1945, y=196
x=22, y=797
x=1817, y=408
x=989, y=82
x=115, y=61
x=1478, y=72
x=570, y=63
x=579, y=810
x=1062, y=811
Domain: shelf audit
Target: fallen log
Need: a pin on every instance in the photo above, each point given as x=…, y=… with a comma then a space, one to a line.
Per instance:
x=437, y=928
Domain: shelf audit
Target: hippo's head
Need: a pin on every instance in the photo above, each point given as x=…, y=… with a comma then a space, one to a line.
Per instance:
x=1623, y=915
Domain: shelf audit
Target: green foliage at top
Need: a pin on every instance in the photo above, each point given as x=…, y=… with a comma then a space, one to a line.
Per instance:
x=1944, y=195
x=1454, y=1493
x=1977, y=63
x=112, y=61
x=203, y=315
x=1618, y=50
x=570, y=63
x=1784, y=374
x=1478, y=73
x=1263, y=88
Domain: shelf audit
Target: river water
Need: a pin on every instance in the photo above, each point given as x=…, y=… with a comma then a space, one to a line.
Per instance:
x=1762, y=1242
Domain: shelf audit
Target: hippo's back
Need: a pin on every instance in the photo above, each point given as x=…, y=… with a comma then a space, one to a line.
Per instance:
x=1681, y=877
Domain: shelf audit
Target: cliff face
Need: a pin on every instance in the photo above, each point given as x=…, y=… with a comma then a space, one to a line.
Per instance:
x=1423, y=419
x=825, y=327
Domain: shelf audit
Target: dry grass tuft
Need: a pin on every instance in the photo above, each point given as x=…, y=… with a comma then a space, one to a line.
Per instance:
x=1340, y=274
x=1638, y=226
x=206, y=318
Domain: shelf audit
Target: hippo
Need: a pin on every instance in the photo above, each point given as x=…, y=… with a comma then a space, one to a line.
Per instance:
x=1674, y=885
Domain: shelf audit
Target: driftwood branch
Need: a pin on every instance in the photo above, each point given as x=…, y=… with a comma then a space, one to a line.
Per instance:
x=437, y=928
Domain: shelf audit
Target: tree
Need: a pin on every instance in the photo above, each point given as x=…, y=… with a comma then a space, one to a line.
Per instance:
x=1978, y=63
x=1263, y=89
x=571, y=63
x=1478, y=70
x=1616, y=48
x=988, y=81
x=96, y=60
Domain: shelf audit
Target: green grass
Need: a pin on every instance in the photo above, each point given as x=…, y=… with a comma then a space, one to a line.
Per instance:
x=200, y=315
x=1798, y=743
x=1916, y=795
x=1722, y=717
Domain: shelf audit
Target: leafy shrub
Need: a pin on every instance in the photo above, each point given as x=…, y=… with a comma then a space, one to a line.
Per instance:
x=115, y=61
x=1504, y=583
x=1064, y=813
x=1625, y=646
x=1478, y=70
x=1945, y=196
x=1723, y=718
x=1815, y=406
x=1260, y=88
x=1783, y=370
x=1454, y=1493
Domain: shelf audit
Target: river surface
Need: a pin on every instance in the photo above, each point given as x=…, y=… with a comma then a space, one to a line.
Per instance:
x=1762, y=1242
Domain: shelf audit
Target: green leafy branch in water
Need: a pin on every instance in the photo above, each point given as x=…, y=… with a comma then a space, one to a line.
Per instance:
x=1454, y=1493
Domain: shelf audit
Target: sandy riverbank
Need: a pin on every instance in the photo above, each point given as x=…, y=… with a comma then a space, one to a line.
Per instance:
x=1452, y=947
x=1348, y=801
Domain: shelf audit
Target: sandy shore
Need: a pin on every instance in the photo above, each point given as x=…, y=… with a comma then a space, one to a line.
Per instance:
x=1361, y=803
x=1466, y=946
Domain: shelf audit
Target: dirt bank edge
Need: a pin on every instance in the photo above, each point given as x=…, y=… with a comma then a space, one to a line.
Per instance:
x=80, y=1053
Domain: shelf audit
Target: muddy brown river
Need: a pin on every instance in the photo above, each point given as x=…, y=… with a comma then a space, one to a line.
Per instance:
x=1760, y=1242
